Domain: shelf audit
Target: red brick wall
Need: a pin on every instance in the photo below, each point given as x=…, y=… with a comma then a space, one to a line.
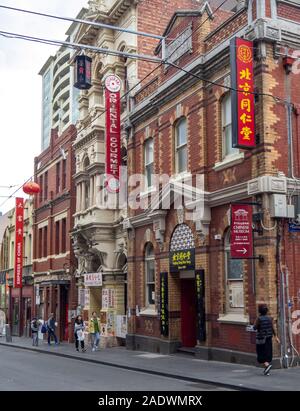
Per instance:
x=291, y=12
x=219, y=35
x=148, y=21
x=55, y=202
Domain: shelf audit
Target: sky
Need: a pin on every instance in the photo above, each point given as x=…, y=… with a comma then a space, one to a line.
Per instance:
x=21, y=86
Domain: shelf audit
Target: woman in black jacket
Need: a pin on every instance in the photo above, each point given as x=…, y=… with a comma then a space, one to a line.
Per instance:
x=265, y=332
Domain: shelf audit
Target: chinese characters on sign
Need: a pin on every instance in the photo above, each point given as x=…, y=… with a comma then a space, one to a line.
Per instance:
x=200, y=294
x=241, y=241
x=164, y=309
x=108, y=298
x=242, y=79
x=113, y=132
x=182, y=260
x=19, y=227
x=93, y=280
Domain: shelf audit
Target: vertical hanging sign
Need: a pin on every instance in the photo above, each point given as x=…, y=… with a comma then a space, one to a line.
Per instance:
x=113, y=132
x=164, y=306
x=241, y=241
x=242, y=101
x=200, y=296
x=19, y=228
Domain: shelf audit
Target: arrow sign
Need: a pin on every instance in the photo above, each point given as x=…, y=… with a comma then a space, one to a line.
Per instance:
x=242, y=251
x=241, y=239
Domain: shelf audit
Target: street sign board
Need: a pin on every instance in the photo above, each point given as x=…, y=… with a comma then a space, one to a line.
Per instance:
x=294, y=228
x=241, y=241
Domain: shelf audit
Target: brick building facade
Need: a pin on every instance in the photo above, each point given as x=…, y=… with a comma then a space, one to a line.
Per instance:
x=54, y=264
x=100, y=240
x=181, y=127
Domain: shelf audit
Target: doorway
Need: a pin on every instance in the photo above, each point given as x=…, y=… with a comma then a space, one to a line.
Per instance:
x=188, y=313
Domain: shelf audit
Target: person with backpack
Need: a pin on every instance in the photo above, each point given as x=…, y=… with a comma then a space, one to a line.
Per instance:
x=79, y=333
x=51, y=325
x=35, y=332
x=265, y=332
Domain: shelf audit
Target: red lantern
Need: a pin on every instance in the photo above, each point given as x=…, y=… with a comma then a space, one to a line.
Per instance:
x=31, y=188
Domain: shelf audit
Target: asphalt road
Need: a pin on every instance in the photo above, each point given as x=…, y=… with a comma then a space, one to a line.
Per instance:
x=29, y=371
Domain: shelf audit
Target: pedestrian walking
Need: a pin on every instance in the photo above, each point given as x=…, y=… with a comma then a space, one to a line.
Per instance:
x=94, y=328
x=79, y=333
x=35, y=331
x=51, y=326
x=265, y=332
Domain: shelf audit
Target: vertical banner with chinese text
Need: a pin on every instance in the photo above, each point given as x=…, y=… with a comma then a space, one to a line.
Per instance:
x=242, y=101
x=241, y=239
x=113, y=132
x=164, y=305
x=19, y=228
x=200, y=296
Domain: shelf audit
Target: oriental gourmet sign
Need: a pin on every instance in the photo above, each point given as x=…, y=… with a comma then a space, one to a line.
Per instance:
x=19, y=228
x=113, y=132
x=242, y=97
x=241, y=241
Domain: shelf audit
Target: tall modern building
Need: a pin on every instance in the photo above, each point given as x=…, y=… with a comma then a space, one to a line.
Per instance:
x=59, y=97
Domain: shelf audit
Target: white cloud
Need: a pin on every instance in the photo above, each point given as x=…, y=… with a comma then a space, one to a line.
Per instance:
x=20, y=85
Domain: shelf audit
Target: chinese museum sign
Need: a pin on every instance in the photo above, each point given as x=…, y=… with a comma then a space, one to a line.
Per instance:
x=241, y=241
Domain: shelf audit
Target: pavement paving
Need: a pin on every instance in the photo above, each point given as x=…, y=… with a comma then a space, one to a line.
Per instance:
x=176, y=366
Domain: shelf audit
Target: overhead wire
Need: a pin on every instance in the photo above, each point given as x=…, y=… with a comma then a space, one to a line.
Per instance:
x=12, y=35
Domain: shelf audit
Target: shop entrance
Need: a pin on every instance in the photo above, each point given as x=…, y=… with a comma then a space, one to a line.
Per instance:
x=188, y=313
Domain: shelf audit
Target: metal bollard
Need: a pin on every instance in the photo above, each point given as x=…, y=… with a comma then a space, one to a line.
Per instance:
x=8, y=333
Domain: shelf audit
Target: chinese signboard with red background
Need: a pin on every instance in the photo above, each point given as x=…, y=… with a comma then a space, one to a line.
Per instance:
x=19, y=228
x=241, y=242
x=242, y=101
x=113, y=132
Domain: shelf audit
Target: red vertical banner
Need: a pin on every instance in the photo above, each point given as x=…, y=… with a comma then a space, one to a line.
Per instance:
x=19, y=228
x=113, y=132
x=242, y=98
x=241, y=241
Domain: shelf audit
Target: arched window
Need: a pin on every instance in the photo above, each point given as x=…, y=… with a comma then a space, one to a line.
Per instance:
x=150, y=275
x=181, y=160
x=234, y=272
x=228, y=150
x=86, y=163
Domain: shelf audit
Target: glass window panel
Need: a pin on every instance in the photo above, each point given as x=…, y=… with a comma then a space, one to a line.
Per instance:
x=234, y=268
x=182, y=159
x=181, y=133
x=151, y=290
x=149, y=151
x=149, y=173
x=150, y=271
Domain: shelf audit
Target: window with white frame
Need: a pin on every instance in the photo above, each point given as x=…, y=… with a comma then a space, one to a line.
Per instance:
x=228, y=150
x=149, y=162
x=234, y=270
x=150, y=275
x=181, y=146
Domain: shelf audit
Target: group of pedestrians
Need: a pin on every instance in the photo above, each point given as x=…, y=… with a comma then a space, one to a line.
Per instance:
x=49, y=327
x=93, y=328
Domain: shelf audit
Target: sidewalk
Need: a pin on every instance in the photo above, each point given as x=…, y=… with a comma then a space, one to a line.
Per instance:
x=234, y=376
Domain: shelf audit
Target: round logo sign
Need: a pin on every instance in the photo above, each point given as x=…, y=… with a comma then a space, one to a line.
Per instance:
x=112, y=184
x=113, y=83
x=244, y=54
